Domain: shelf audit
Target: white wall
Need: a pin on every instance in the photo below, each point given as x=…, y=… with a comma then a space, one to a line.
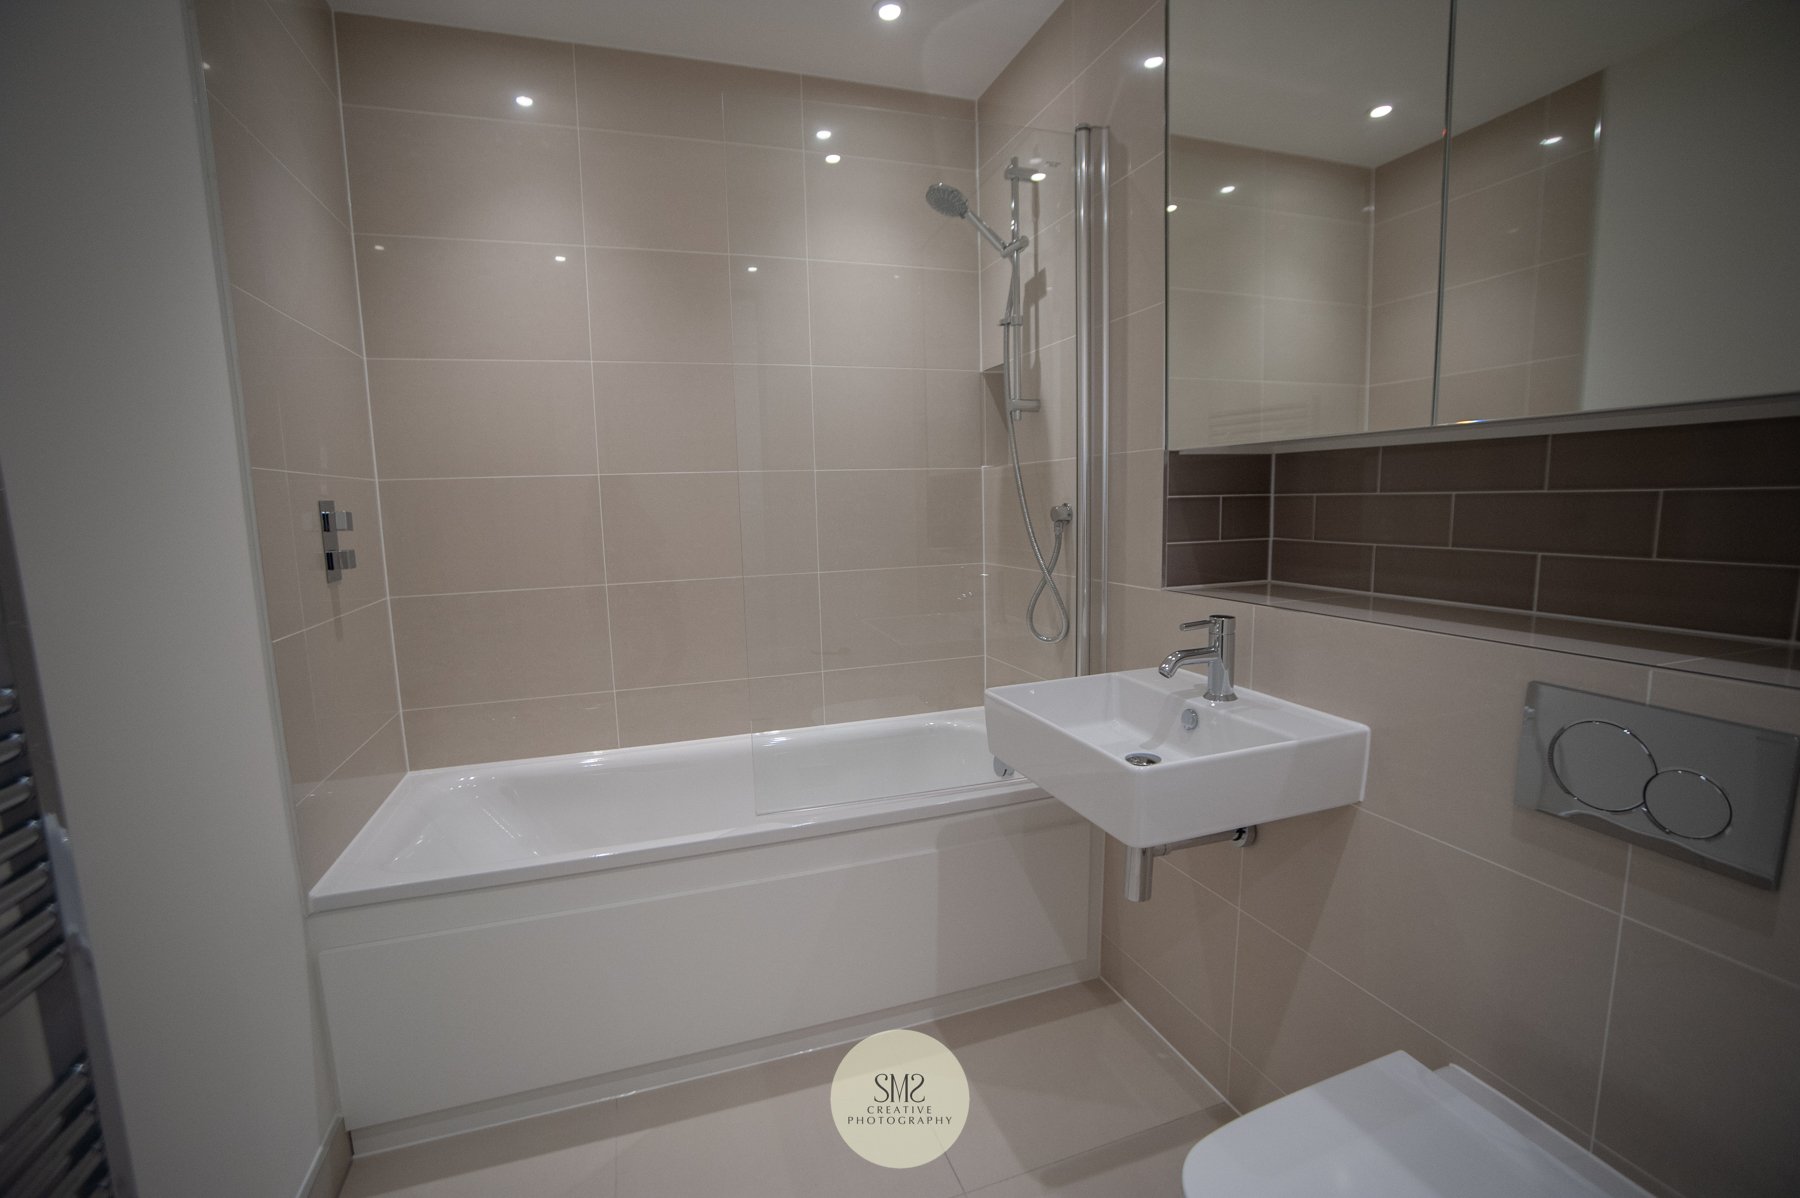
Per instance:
x=119, y=442
x=1696, y=272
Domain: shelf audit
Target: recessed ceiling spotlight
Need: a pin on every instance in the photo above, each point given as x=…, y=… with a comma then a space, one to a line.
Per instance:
x=889, y=11
x=1551, y=140
x=833, y=159
x=1154, y=61
x=823, y=135
x=1171, y=207
x=1038, y=176
x=523, y=101
x=1379, y=111
x=1228, y=189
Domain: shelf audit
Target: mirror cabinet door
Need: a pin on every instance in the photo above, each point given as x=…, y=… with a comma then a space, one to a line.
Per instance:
x=1622, y=185
x=1305, y=177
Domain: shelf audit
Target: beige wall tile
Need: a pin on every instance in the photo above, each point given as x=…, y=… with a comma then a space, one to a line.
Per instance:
x=1400, y=405
x=1199, y=1045
x=680, y=632
x=1410, y=181
x=1397, y=913
x=477, y=648
x=1497, y=394
x=765, y=194
x=1702, y=1086
x=1001, y=674
x=821, y=90
x=305, y=405
x=1492, y=231
x=914, y=613
x=277, y=552
x=1221, y=335
x=1215, y=245
x=873, y=692
x=435, y=68
x=1316, y=188
x=448, y=176
x=894, y=419
x=790, y=701
x=1137, y=390
x=490, y=534
x=657, y=417
x=1568, y=217
x=1404, y=260
x=299, y=733
x=781, y=622
x=1560, y=310
x=1246, y=1088
x=859, y=131
x=327, y=820
x=664, y=526
x=258, y=72
x=309, y=23
x=445, y=419
x=650, y=306
x=873, y=210
x=282, y=244
x=440, y=736
x=927, y=517
x=434, y=298
x=1443, y=714
x=653, y=193
x=1758, y=927
x=774, y=417
x=894, y=317
x=769, y=321
x=666, y=713
x=1137, y=218
x=1555, y=386
x=1185, y=937
x=1497, y=149
x=1402, y=337
x=780, y=525
x=320, y=599
x=350, y=661
x=1114, y=88
x=1027, y=83
x=1009, y=635
x=683, y=97
x=1136, y=519
x=1297, y=1022
x=1198, y=168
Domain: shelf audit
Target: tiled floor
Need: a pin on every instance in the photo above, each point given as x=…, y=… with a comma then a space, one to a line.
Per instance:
x=1072, y=1094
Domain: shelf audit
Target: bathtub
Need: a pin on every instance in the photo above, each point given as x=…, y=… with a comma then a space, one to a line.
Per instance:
x=502, y=940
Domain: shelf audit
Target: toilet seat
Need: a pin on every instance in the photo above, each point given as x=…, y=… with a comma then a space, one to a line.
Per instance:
x=1394, y=1129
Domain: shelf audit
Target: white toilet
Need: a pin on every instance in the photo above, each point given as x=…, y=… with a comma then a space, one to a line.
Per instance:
x=1395, y=1129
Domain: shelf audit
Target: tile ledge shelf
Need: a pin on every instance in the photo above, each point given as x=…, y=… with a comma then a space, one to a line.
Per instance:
x=1772, y=663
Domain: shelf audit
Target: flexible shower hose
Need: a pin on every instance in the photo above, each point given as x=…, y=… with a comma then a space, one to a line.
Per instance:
x=1060, y=517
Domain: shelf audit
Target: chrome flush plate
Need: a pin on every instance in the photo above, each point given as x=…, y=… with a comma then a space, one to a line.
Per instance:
x=1711, y=792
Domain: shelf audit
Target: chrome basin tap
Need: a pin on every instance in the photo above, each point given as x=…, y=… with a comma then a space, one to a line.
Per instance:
x=1219, y=653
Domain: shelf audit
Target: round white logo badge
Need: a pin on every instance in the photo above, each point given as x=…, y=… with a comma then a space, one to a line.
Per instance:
x=900, y=1099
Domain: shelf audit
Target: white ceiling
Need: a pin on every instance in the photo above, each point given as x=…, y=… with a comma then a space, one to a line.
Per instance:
x=951, y=47
x=1299, y=76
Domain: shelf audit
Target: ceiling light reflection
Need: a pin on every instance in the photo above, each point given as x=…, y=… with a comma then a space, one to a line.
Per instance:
x=889, y=11
x=1379, y=111
x=524, y=101
x=1154, y=61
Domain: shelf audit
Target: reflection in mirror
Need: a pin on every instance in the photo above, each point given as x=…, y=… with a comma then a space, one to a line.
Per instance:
x=1621, y=227
x=1305, y=173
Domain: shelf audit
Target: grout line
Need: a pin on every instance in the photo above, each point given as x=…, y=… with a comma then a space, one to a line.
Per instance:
x=333, y=771
x=213, y=102
x=286, y=315
x=387, y=587
x=584, y=244
x=1612, y=991
x=612, y=661
x=331, y=84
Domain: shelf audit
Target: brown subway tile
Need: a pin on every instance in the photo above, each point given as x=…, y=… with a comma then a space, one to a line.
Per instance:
x=1384, y=519
x=1731, y=526
x=1217, y=561
x=1294, y=517
x=1326, y=470
x=1219, y=474
x=1507, y=464
x=1734, y=600
x=1745, y=453
x=1613, y=523
x=1195, y=519
x=1312, y=563
x=1243, y=516
x=1457, y=575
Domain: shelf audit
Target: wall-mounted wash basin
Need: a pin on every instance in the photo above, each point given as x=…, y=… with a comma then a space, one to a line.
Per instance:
x=1152, y=761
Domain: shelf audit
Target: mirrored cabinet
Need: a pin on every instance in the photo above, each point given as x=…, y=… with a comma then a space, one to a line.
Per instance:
x=1609, y=223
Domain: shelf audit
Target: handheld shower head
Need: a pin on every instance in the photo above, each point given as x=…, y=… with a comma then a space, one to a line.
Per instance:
x=950, y=202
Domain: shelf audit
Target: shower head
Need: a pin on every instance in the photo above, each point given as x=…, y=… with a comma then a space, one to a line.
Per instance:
x=945, y=199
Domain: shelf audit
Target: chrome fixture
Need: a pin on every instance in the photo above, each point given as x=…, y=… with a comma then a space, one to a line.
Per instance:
x=950, y=202
x=1219, y=653
x=331, y=523
x=1093, y=395
x=1139, y=861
